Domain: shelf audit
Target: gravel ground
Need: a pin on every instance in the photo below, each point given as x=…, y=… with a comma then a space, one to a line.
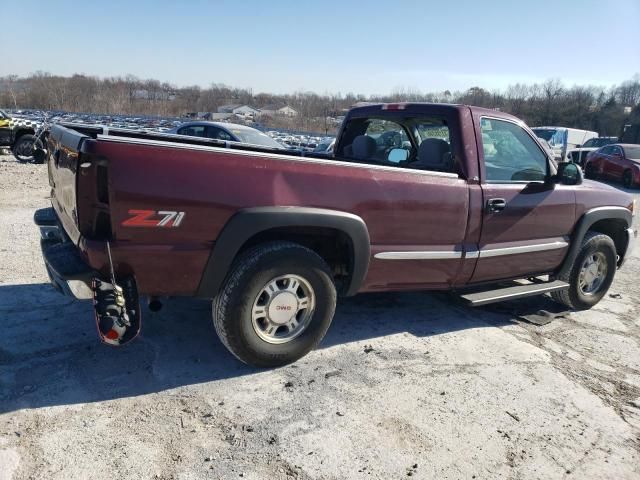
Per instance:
x=404, y=385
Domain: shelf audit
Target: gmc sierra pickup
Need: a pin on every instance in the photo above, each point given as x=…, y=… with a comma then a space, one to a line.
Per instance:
x=415, y=197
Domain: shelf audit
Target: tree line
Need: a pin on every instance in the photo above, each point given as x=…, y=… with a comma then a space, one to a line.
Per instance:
x=605, y=110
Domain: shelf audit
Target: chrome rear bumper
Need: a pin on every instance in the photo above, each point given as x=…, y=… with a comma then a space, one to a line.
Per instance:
x=67, y=271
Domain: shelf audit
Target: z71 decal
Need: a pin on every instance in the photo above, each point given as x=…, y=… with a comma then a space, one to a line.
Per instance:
x=153, y=218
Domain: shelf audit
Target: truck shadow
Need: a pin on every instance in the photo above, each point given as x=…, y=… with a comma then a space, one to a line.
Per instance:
x=50, y=354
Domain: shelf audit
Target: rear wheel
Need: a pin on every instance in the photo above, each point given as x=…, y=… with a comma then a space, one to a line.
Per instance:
x=591, y=274
x=590, y=171
x=276, y=304
x=627, y=179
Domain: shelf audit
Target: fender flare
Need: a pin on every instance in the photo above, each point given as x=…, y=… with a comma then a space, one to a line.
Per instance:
x=584, y=224
x=248, y=222
x=20, y=131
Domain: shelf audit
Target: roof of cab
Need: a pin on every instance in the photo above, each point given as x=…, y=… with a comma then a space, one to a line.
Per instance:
x=413, y=107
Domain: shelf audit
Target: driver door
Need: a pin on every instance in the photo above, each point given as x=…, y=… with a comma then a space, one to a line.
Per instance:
x=526, y=221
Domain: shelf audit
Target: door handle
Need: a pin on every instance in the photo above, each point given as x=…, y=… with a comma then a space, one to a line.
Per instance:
x=495, y=205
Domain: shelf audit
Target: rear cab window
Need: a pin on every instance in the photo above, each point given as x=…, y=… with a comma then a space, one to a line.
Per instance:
x=412, y=142
x=511, y=155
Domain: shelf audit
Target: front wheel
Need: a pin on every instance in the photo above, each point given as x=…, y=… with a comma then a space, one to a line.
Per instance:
x=591, y=274
x=627, y=179
x=24, y=148
x=276, y=304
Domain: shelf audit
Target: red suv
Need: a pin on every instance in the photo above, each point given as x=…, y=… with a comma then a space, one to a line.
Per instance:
x=616, y=162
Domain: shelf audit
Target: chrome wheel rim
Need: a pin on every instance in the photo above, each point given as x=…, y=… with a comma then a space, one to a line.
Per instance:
x=592, y=274
x=283, y=309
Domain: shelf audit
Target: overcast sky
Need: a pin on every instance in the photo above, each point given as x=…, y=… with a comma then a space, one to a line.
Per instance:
x=324, y=46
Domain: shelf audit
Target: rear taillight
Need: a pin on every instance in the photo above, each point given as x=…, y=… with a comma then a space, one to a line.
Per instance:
x=94, y=216
x=102, y=184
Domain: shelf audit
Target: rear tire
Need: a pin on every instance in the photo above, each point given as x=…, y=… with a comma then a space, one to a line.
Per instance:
x=590, y=172
x=627, y=179
x=588, y=280
x=254, y=311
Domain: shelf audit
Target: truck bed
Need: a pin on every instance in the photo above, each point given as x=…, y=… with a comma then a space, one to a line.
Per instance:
x=95, y=131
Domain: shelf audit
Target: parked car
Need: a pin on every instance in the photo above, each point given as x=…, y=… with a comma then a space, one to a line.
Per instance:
x=467, y=198
x=619, y=162
x=326, y=145
x=563, y=139
x=579, y=155
x=17, y=133
x=226, y=131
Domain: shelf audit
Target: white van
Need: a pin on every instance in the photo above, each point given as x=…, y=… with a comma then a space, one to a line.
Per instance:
x=562, y=139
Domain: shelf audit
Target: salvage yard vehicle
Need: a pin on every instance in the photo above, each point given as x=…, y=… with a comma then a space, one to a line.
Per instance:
x=21, y=135
x=620, y=162
x=562, y=139
x=227, y=132
x=579, y=155
x=416, y=197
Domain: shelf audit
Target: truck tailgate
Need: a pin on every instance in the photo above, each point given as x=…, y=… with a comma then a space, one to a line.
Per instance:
x=64, y=158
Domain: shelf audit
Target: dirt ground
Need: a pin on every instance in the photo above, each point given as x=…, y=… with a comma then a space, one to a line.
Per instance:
x=404, y=385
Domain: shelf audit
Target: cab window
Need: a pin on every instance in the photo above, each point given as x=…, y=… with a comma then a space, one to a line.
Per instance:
x=420, y=143
x=510, y=154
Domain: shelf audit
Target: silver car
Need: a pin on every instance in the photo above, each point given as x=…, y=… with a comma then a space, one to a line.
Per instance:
x=226, y=131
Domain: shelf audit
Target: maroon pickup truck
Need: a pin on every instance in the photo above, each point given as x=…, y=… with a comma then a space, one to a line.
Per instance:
x=415, y=197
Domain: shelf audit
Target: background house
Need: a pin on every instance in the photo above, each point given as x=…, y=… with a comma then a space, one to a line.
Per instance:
x=240, y=110
x=274, y=109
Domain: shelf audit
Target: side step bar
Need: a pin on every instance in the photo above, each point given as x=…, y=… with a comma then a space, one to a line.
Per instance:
x=512, y=293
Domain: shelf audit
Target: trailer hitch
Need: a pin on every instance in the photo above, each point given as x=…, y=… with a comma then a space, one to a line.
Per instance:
x=116, y=307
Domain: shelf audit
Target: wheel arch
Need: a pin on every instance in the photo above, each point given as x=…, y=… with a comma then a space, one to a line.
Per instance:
x=303, y=225
x=612, y=221
x=20, y=132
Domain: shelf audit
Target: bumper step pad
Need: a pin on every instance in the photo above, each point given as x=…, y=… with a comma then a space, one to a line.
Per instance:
x=45, y=217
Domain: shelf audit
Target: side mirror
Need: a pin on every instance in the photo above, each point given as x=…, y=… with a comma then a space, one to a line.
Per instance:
x=398, y=155
x=570, y=173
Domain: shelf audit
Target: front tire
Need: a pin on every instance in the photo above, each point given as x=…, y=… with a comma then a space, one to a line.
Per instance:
x=276, y=304
x=627, y=179
x=590, y=172
x=591, y=274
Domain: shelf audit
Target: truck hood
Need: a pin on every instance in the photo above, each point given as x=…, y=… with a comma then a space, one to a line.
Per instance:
x=592, y=194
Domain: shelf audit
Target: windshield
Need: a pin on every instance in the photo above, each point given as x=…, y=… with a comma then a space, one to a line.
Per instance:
x=552, y=135
x=254, y=137
x=3, y=114
x=632, y=152
x=597, y=142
